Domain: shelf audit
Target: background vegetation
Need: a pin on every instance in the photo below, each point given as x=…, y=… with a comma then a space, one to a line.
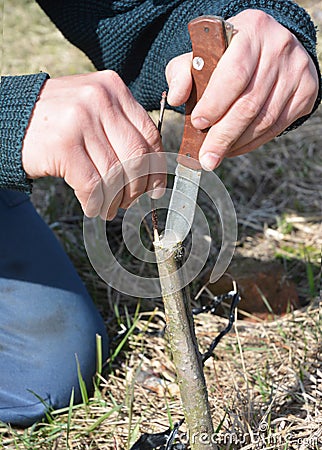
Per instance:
x=265, y=382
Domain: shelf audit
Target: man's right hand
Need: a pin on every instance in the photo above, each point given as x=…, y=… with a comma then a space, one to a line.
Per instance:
x=82, y=126
x=263, y=83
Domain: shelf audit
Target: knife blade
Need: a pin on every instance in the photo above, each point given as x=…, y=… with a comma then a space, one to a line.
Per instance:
x=210, y=36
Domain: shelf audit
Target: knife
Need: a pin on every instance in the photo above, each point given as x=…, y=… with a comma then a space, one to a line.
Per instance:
x=210, y=36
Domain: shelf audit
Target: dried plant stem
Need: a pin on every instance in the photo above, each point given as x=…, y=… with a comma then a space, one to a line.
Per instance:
x=184, y=347
x=162, y=109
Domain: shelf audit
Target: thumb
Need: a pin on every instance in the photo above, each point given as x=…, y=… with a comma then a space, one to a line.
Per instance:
x=178, y=74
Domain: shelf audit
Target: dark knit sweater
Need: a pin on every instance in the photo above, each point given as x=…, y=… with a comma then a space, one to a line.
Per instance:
x=136, y=38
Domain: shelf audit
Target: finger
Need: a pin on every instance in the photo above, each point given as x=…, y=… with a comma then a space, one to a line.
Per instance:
x=109, y=188
x=224, y=140
x=85, y=181
x=91, y=201
x=158, y=175
x=130, y=134
x=125, y=125
x=133, y=149
x=229, y=80
x=111, y=152
x=270, y=122
x=126, y=181
x=112, y=185
x=144, y=173
x=94, y=201
x=254, y=138
x=227, y=131
x=178, y=74
x=135, y=173
x=285, y=105
x=105, y=198
x=111, y=212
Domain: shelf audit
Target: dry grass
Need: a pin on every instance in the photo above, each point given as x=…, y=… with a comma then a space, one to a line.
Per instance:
x=265, y=381
x=265, y=387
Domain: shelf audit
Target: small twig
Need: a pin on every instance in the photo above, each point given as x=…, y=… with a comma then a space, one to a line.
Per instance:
x=144, y=221
x=163, y=103
x=155, y=222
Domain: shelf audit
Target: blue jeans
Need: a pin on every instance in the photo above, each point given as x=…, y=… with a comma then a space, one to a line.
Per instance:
x=47, y=319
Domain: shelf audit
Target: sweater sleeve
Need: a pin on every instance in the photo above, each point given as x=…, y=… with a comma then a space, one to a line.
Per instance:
x=138, y=38
x=17, y=99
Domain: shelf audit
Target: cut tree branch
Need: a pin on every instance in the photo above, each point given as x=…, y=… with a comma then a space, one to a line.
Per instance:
x=184, y=347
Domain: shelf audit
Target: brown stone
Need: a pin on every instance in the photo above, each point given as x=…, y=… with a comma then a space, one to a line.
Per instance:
x=264, y=286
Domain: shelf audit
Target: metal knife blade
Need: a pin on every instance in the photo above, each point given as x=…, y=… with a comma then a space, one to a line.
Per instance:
x=210, y=36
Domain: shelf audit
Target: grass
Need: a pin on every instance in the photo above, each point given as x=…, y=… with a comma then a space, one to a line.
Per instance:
x=265, y=380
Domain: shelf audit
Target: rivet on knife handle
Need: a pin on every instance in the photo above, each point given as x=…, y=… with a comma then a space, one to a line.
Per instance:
x=210, y=36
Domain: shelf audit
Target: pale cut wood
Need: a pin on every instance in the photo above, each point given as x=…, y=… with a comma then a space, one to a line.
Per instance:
x=184, y=346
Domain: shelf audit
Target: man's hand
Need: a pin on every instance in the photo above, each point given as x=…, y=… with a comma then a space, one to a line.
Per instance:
x=81, y=128
x=262, y=84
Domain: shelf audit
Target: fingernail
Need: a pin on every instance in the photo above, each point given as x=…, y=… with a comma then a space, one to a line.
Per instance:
x=209, y=161
x=109, y=217
x=157, y=193
x=200, y=122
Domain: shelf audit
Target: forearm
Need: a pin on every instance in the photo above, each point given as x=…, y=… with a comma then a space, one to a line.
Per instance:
x=17, y=99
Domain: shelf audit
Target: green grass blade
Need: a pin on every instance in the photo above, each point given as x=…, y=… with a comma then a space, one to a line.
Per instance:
x=81, y=383
x=69, y=417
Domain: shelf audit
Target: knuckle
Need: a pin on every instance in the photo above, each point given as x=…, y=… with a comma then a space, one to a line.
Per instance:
x=133, y=191
x=241, y=76
x=136, y=152
x=152, y=136
x=303, y=61
x=112, y=77
x=247, y=108
x=260, y=19
x=305, y=103
x=267, y=123
x=90, y=183
x=223, y=141
x=92, y=92
x=308, y=93
x=285, y=43
x=76, y=112
x=115, y=82
x=146, y=137
x=144, y=142
x=256, y=18
x=138, y=188
x=90, y=95
x=96, y=91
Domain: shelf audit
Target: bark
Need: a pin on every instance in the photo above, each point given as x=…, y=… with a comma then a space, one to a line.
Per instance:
x=184, y=347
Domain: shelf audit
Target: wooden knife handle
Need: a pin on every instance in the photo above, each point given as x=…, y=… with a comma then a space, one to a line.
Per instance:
x=210, y=36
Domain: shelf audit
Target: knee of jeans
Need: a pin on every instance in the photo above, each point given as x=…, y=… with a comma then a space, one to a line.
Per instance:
x=47, y=340
x=32, y=398
x=21, y=412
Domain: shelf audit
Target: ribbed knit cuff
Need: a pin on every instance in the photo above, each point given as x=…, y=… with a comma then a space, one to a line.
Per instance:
x=18, y=96
x=294, y=18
